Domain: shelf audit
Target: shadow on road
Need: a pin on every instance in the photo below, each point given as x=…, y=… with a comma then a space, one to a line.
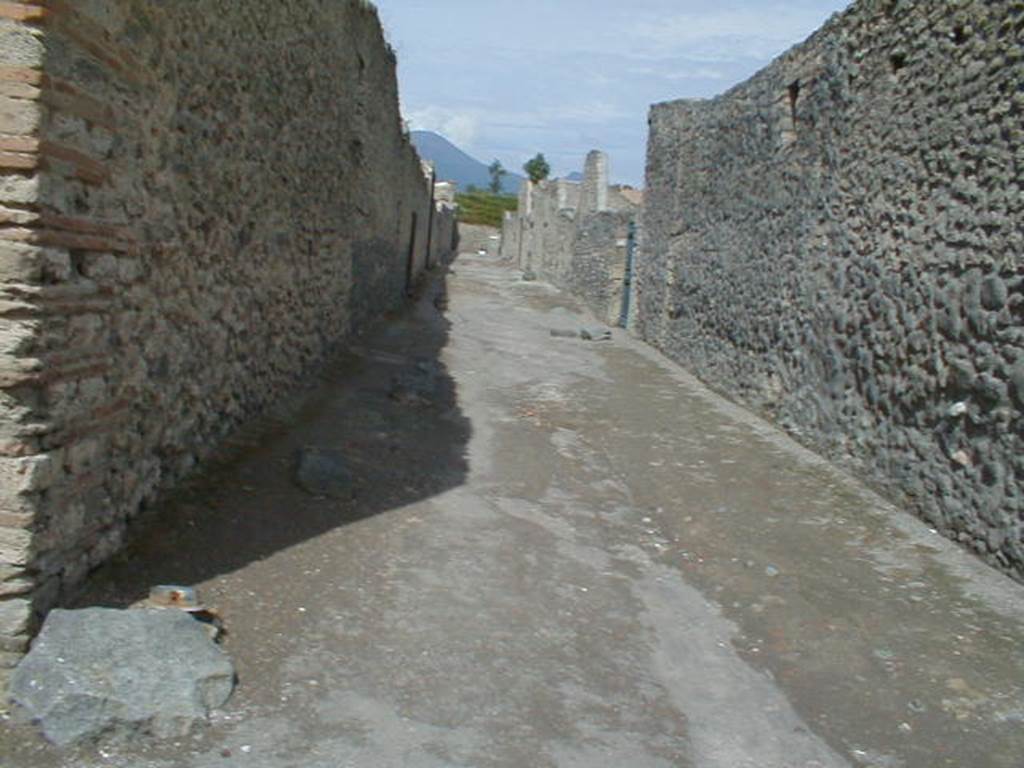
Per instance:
x=387, y=402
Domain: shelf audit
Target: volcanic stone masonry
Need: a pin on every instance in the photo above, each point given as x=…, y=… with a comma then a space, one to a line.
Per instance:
x=196, y=206
x=839, y=243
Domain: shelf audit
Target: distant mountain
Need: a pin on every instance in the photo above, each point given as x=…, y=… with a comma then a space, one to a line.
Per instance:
x=574, y=176
x=452, y=164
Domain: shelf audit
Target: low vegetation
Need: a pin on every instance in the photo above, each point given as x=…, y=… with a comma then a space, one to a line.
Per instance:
x=476, y=207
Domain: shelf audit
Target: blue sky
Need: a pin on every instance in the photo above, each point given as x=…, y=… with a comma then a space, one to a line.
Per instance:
x=509, y=79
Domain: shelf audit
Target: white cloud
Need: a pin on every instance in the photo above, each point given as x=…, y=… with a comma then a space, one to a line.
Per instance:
x=459, y=126
x=586, y=112
x=722, y=35
x=700, y=73
x=673, y=72
x=564, y=77
x=462, y=125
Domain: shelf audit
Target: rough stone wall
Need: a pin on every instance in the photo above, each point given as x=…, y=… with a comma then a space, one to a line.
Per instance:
x=197, y=202
x=838, y=242
x=552, y=228
x=623, y=198
x=537, y=236
x=574, y=235
x=515, y=231
x=444, y=239
x=598, y=267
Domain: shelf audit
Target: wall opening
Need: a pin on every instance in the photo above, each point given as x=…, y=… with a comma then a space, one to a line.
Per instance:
x=959, y=34
x=411, y=259
x=430, y=219
x=898, y=61
x=786, y=109
x=794, y=97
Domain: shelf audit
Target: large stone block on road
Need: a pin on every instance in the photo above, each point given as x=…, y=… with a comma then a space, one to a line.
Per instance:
x=324, y=472
x=116, y=673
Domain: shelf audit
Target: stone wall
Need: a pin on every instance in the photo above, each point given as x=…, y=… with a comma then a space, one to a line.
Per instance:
x=598, y=267
x=197, y=203
x=444, y=236
x=574, y=235
x=838, y=242
x=513, y=227
x=552, y=230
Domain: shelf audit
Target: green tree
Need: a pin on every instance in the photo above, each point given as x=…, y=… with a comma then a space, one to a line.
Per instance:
x=497, y=171
x=537, y=168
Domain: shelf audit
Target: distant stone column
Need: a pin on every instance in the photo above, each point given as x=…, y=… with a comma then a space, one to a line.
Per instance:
x=526, y=198
x=594, y=193
x=563, y=195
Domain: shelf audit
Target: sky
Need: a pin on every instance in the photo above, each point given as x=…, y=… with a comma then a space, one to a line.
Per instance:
x=507, y=79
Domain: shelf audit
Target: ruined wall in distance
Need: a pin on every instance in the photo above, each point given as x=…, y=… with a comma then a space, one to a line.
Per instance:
x=196, y=205
x=514, y=231
x=444, y=239
x=574, y=235
x=839, y=242
x=598, y=266
x=552, y=228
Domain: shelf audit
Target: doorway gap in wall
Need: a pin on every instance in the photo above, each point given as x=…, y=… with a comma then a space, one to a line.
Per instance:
x=794, y=97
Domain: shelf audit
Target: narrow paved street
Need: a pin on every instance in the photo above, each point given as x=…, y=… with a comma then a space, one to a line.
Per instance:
x=568, y=553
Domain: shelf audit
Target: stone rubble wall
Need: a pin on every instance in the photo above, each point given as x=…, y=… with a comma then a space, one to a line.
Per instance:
x=574, y=236
x=839, y=243
x=598, y=267
x=444, y=239
x=552, y=231
x=513, y=227
x=197, y=204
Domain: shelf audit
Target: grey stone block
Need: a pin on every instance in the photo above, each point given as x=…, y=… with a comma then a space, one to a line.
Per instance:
x=993, y=293
x=105, y=672
x=588, y=334
x=14, y=617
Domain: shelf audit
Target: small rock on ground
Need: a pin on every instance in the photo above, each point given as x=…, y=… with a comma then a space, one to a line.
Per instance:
x=324, y=472
x=595, y=335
